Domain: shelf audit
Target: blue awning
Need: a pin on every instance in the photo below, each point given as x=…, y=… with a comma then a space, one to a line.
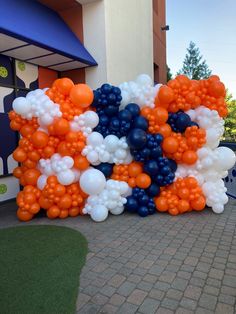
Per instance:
x=34, y=33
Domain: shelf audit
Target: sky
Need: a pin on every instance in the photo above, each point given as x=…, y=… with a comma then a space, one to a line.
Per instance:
x=211, y=24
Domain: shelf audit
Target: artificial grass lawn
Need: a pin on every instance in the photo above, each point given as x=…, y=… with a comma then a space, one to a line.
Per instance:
x=39, y=269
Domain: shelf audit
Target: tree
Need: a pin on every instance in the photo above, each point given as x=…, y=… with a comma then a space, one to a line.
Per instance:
x=193, y=66
x=230, y=120
x=168, y=73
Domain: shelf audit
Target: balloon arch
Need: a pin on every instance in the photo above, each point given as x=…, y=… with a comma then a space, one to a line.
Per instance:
x=137, y=147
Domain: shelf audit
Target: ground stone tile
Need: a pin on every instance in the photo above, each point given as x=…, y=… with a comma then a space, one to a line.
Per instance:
x=169, y=303
x=167, y=276
x=82, y=300
x=201, y=310
x=211, y=290
x=216, y=273
x=191, y=261
x=137, y=297
x=181, y=310
x=208, y=301
x=117, y=299
x=228, y=299
x=108, y=309
x=222, y=308
x=126, y=288
x=116, y=280
x=156, y=294
x=146, y=264
x=162, y=310
x=149, y=306
x=127, y=308
x=108, y=290
x=174, y=294
x=229, y=281
x=188, y=303
x=193, y=292
x=179, y=284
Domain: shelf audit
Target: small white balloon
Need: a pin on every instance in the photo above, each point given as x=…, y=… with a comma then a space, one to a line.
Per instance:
x=66, y=177
x=21, y=105
x=95, y=139
x=111, y=142
x=99, y=213
x=92, y=157
x=117, y=210
x=91, y=119
x=42, y=181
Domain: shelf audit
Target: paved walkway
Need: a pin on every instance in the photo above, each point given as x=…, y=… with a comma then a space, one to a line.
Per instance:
x=159, y=264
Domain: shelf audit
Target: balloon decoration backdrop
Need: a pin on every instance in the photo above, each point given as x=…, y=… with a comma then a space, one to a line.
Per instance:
x=134, y=147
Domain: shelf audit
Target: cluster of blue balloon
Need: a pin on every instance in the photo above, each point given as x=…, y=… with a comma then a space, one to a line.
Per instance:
x=180, y=121
x=141, y=201
x=105, y=168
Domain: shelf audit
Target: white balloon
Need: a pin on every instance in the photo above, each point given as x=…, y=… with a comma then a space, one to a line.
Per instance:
x=92, y=157
x=68, y=161
x=99, y=213
x=111, y=142
x=117, y=210
x=21, y=105
x=66, y=177
x=226, y=158
x=91, y=119
x=120, y=154
x=92, y=181
x=95, y=139
x=42, y=181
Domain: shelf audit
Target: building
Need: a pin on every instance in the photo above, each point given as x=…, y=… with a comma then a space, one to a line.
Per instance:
x=92, y=41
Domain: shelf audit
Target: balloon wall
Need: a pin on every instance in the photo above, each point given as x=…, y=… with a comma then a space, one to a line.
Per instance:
x=137, y=147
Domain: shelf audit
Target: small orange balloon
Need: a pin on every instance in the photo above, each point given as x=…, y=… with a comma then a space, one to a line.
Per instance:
x=53, y=212
x=189, y=157
x=34, y=155
x=143, y=181
x=173, y=211
x=34, y=208
x=59, y=190
x=161, y=115
x=40, y=139
x=61, y=126
x=65, y=201
x=31, y=176
x=165, y=130
x=134, y=169
x=199, y=204
x=81, y=162
x=24, y=215
x=19, y=155
x=26, y=130
x=161, y=204
x=48, y=151
x=183, y=193
x=165, y=94
x=74, y=211
x=81, y=95
x=29, y=198
x=170, y=145
x=17, y=172
x=64, y=85
x=183, y=206
x=45, y=203
x=64, y=214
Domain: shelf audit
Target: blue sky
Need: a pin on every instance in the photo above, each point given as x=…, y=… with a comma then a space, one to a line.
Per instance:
x=211, y=24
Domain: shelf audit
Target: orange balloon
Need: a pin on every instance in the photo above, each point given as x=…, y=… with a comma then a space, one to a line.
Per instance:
x=81, y=162
x=81, y=95
x=44, y=203
x=17, y=172
x=71, y=137
x=165, y=94
x=191, y=182
x=19, y=155
x=199, y=204
x=15, y=125
x=165, y=130
x=183, y=193
x=161, y=115
x=31, y=176
x=59, y=190
x=24, y=215
x=74, y=211
x=64, y=213
x=53, y=212
x=65, y=201
x=40, y=139
x=170, y=145
x=132, y=182
x=183, y=206
x=26, y=130
x=173, y=211
x=217, y=89
x=29, y=198
x=48, y=151
x=61, y=126
x=34, y=155
x=143, y=181
x=63, y=150
x=30, y=164
x=161, y=204
x=134, y=169
x=64, y=85
x=189, y=157
x=34, y=208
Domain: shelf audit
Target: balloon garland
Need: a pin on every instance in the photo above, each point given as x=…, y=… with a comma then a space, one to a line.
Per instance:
x=136, y=147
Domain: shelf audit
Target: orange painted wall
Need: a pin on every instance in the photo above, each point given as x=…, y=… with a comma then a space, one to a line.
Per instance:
x=159, y=40
x=46, y=77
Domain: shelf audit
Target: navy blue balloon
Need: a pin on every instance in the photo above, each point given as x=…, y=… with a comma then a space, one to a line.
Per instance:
x=125, y=115
x=103, y=120
x=156, y=152
x=165, y=170
x=111, y=110
x=151, y=210
x=137, y=138
x=141, y=123
x=183, y=121
x=106, y=88
x=114, y=124
x=151, y=167
x=143, y=211
x=153, y=190
x=105, y=168
x=133, y=109
x=194, y=124
x=172, y=164
x=131, y=204
x=143, y=200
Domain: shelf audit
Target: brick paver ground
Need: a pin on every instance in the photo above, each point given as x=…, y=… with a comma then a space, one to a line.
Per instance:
x=159, y=264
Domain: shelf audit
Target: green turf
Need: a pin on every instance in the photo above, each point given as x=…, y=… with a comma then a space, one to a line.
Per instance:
x=39, y=269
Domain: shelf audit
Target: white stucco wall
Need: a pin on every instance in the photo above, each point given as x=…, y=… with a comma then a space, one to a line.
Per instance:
x=119, y=34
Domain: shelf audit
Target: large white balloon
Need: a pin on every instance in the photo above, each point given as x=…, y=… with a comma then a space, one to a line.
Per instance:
x=21, y=105
x=99, y=213
x=94, y=139
x=66, y=177
x=226, y=158
x=92, y=181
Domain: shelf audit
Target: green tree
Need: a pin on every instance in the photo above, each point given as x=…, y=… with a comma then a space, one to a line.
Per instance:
x=194, y=66
x=168, y=73
x=230, y=120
